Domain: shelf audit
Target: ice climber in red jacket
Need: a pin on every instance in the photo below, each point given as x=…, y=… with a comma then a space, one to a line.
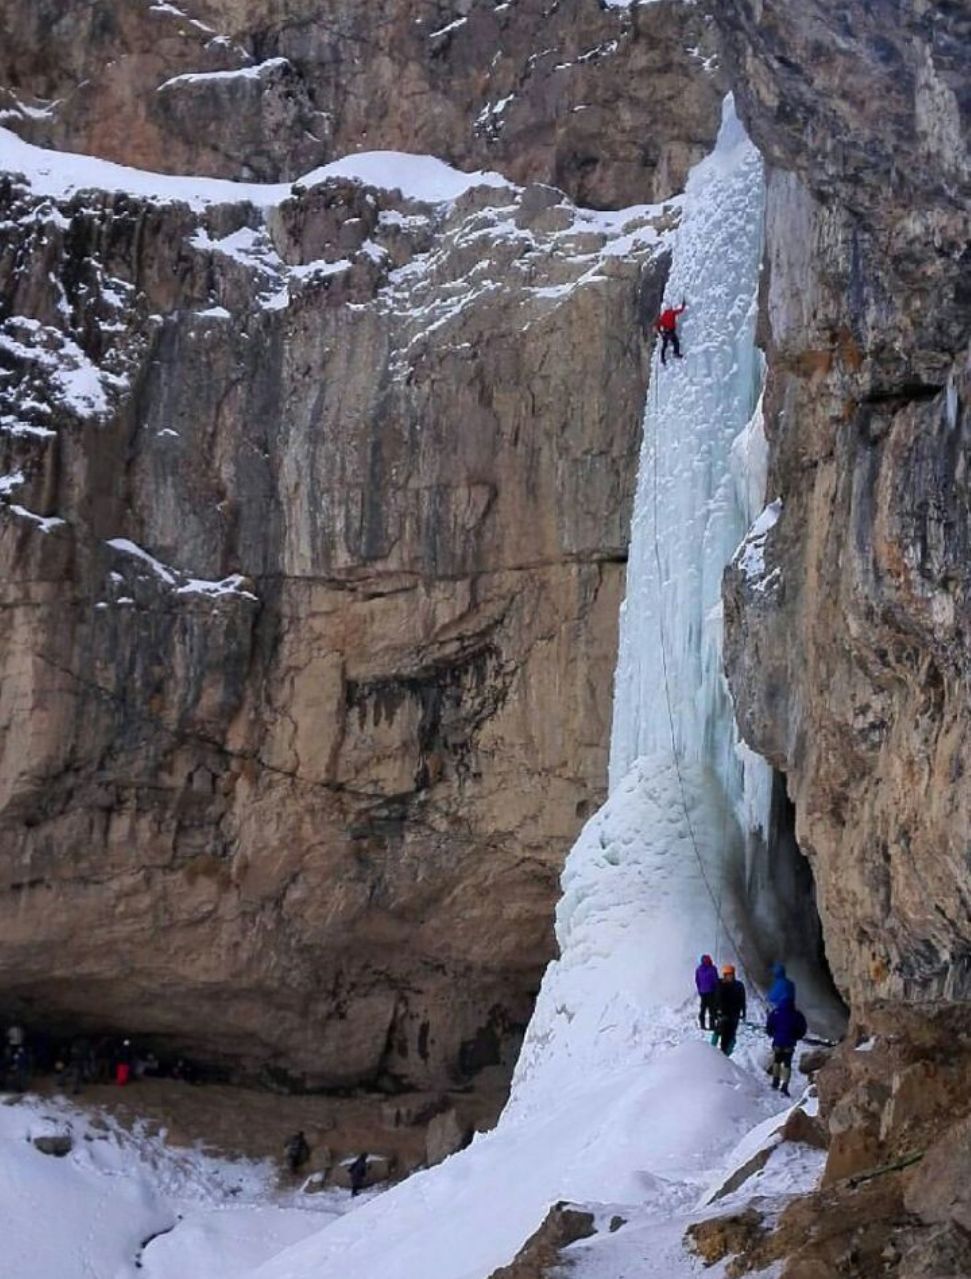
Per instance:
x=667, y=326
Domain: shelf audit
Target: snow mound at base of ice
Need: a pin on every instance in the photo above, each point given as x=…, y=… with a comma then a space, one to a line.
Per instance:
x=642, y=890
x=644, y=1133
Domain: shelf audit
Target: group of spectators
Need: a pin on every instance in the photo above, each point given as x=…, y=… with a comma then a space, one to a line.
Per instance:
x=80, y=1060
x=722, y=1005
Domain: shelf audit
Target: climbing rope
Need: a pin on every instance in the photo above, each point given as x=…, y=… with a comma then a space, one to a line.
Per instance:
x=716, y=901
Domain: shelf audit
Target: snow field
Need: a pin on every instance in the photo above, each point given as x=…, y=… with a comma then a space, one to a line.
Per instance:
x=646, y=1134
x=62, y=174
x=89, y=1214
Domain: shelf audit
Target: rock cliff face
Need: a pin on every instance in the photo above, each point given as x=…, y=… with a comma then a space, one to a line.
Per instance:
x=847, y=638
x=611, y=104
x=312, y=575
x=314, y=512
x=849, y=654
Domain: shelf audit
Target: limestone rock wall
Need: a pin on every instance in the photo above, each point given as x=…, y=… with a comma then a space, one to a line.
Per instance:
x=613, y=105
x=313, y=527
x=848, y=654
x=314, y=512
x=847, y=613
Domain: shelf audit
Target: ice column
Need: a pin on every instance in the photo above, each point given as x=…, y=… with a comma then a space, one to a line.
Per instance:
x=656, y=874
x=688, y=516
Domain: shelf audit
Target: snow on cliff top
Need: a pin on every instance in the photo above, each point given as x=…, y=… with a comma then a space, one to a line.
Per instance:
x=61, y=174
x=417, y=177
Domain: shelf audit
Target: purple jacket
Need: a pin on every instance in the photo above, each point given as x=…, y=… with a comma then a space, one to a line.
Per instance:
x=706, y=978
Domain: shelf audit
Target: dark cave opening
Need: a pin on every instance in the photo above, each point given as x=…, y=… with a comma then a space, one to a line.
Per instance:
x=781, y=893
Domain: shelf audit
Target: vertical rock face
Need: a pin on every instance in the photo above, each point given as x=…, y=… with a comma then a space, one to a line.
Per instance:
x=612, y=104
x=314, y=508
x=848, y=619
x=847, y=607
x=313, y=524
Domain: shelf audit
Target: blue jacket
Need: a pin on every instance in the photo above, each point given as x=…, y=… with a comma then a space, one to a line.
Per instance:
x=782, y=987
x=786, y=1025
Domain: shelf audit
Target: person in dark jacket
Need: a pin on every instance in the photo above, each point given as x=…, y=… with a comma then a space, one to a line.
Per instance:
x=782, y=987
x=296, y=1152
x=729, y=1009
x=18, y=1073
x=706, y=983
x=786, y=1025
x=358, y=1173
x=80, y=1069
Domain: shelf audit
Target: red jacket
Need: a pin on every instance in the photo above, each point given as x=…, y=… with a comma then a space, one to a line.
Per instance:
x=668, y=320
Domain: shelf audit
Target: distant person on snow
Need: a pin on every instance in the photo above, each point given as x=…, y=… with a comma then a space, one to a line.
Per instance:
x=787, y=1026
x=730, y=1010
x=296, y=1152
x=782, y=987
x=18, y=1075
x=358, y=1174
x=706, y=983
x=667, y=327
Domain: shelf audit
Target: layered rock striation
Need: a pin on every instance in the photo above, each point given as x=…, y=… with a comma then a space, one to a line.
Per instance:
x=848, y=609
x=611, y=103
x=313, y=527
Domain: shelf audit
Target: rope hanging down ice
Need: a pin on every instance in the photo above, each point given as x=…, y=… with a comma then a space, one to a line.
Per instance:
x=716, y=901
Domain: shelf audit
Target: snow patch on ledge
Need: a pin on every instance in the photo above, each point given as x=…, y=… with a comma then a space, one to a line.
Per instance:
x=74, y=381
x=44, y=523
x=62, y=174
x=750, y=556
x=132, y=548
x=257, y=72
x=418, y=177
x=235, y=584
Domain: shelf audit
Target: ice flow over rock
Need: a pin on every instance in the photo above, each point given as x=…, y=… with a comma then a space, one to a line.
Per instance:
x=651, y=881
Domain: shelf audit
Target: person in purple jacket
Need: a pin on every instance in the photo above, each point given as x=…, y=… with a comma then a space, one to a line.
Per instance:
x=706, y=981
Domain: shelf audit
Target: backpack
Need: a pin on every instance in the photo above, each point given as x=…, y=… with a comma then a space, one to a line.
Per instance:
x=799, y=1024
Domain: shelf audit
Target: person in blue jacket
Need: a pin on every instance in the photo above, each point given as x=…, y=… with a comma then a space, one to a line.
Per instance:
x=787, y=1026
x=782, y=987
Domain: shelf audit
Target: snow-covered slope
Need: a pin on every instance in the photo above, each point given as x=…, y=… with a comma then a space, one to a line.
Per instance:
x=60, y=174
x=121, y=1205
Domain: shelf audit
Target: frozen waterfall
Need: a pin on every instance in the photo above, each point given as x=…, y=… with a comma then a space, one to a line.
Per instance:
x=690, y=513
x=655, y=876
